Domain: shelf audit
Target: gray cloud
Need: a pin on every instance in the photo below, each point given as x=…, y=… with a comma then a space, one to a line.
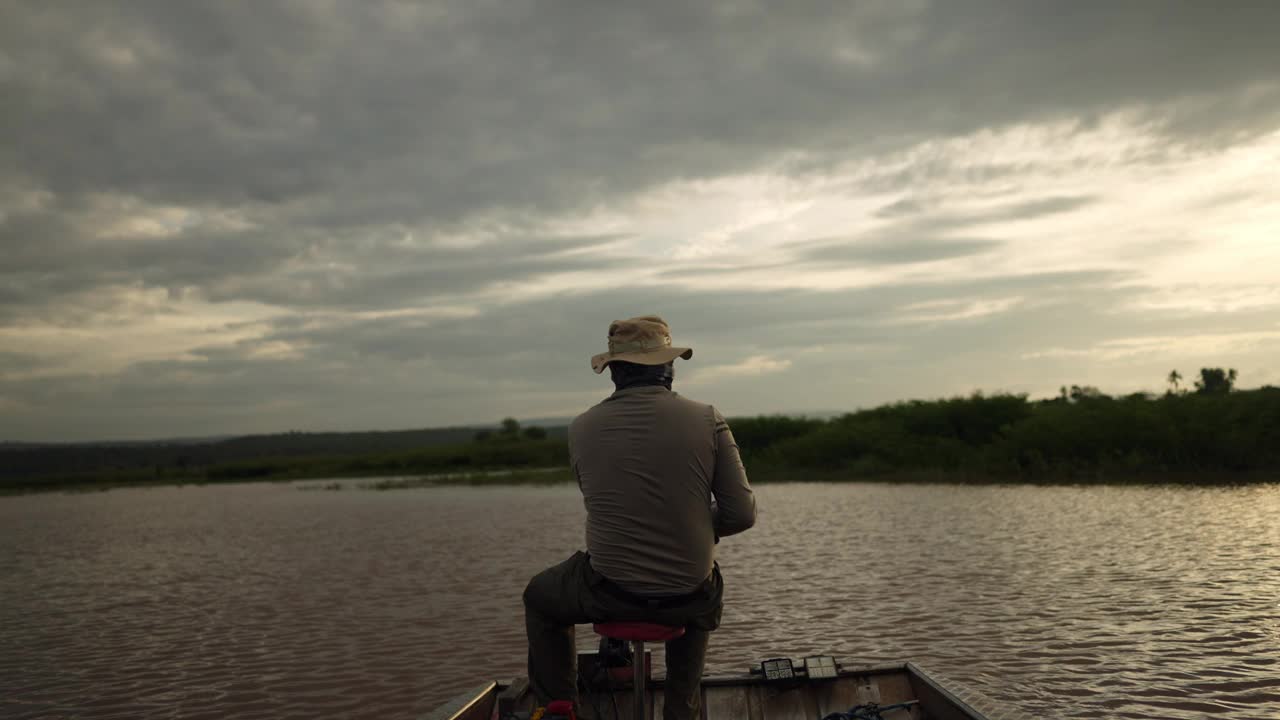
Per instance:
x=17, y=362
x=388, y=276
x=1040, y=208
x=916, y=208
x=393, y=112
x=317, y=157
x=408, y=371
x=916, y=233
x=549, y=339
x=919, y=233
x=54, y=262
x=905, y=207
x=895, y=251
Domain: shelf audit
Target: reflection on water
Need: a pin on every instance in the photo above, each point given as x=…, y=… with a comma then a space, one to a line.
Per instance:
x=260, y=601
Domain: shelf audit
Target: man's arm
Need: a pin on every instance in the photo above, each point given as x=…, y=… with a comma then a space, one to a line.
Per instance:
x=735, y=506
x=573, y=454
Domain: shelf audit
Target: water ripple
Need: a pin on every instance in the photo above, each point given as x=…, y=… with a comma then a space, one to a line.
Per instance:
x=258, y=601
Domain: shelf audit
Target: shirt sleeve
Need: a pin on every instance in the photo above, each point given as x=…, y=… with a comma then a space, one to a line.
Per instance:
x=735, y=503
x=573, y=454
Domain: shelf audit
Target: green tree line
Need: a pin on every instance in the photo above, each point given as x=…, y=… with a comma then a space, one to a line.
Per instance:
x=1212, y=433
x=1081, y=435
x=282, y=456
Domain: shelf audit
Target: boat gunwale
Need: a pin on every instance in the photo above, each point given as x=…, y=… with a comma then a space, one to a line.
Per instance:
x=460, y=704
x=845, y=671
x=970, y=701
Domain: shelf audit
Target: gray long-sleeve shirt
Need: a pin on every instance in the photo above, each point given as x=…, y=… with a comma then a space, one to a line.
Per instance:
x=649, y=462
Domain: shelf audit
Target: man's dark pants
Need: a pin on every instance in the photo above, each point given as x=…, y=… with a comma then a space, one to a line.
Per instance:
x=573, y=593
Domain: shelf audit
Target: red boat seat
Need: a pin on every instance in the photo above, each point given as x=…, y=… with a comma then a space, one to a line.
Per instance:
x=561, y=709
x=644, y=632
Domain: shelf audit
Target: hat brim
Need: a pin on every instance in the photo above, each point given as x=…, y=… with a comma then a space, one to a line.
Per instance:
x=661, y=356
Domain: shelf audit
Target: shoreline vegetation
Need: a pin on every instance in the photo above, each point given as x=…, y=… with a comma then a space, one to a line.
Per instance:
x=1212, y=435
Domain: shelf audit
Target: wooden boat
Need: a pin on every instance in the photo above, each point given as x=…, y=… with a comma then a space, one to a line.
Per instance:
x=886, y=692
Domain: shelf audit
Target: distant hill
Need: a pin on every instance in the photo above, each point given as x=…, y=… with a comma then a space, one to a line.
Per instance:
x=16, y=445
x=1213, y=435
x=547, y=422
x=25, y=460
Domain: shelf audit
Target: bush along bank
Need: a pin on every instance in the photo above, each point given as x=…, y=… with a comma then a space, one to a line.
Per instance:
x=1078, y=437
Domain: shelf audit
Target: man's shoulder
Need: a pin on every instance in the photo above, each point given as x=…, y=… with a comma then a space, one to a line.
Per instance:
x=576, y=424
x=586, y=418
x=692, y=405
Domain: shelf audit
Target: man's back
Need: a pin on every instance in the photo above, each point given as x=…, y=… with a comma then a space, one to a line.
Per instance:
x=648, y=462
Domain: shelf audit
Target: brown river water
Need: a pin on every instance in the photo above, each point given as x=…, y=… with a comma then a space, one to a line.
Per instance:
x=267, y=601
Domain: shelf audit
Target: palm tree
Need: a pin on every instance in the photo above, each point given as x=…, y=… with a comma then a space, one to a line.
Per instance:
x=1216, y=380
x=1174, y=378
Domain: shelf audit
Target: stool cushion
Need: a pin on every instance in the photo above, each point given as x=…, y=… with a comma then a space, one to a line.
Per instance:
x=561, y=708
x=644, y=632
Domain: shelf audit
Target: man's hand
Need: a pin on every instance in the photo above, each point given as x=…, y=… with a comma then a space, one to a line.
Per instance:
x=733, y=507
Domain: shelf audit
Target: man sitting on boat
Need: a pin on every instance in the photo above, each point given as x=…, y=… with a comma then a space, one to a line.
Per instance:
x=649, y=463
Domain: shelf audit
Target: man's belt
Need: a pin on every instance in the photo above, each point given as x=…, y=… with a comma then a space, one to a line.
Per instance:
x=651, y=602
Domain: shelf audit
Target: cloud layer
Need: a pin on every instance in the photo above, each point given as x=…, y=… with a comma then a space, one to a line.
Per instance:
x=223, y=218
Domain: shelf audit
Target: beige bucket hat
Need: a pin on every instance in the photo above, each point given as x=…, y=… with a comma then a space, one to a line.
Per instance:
x=644, y=340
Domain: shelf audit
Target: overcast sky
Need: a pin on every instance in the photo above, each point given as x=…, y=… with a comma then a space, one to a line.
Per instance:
x=253, y=217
